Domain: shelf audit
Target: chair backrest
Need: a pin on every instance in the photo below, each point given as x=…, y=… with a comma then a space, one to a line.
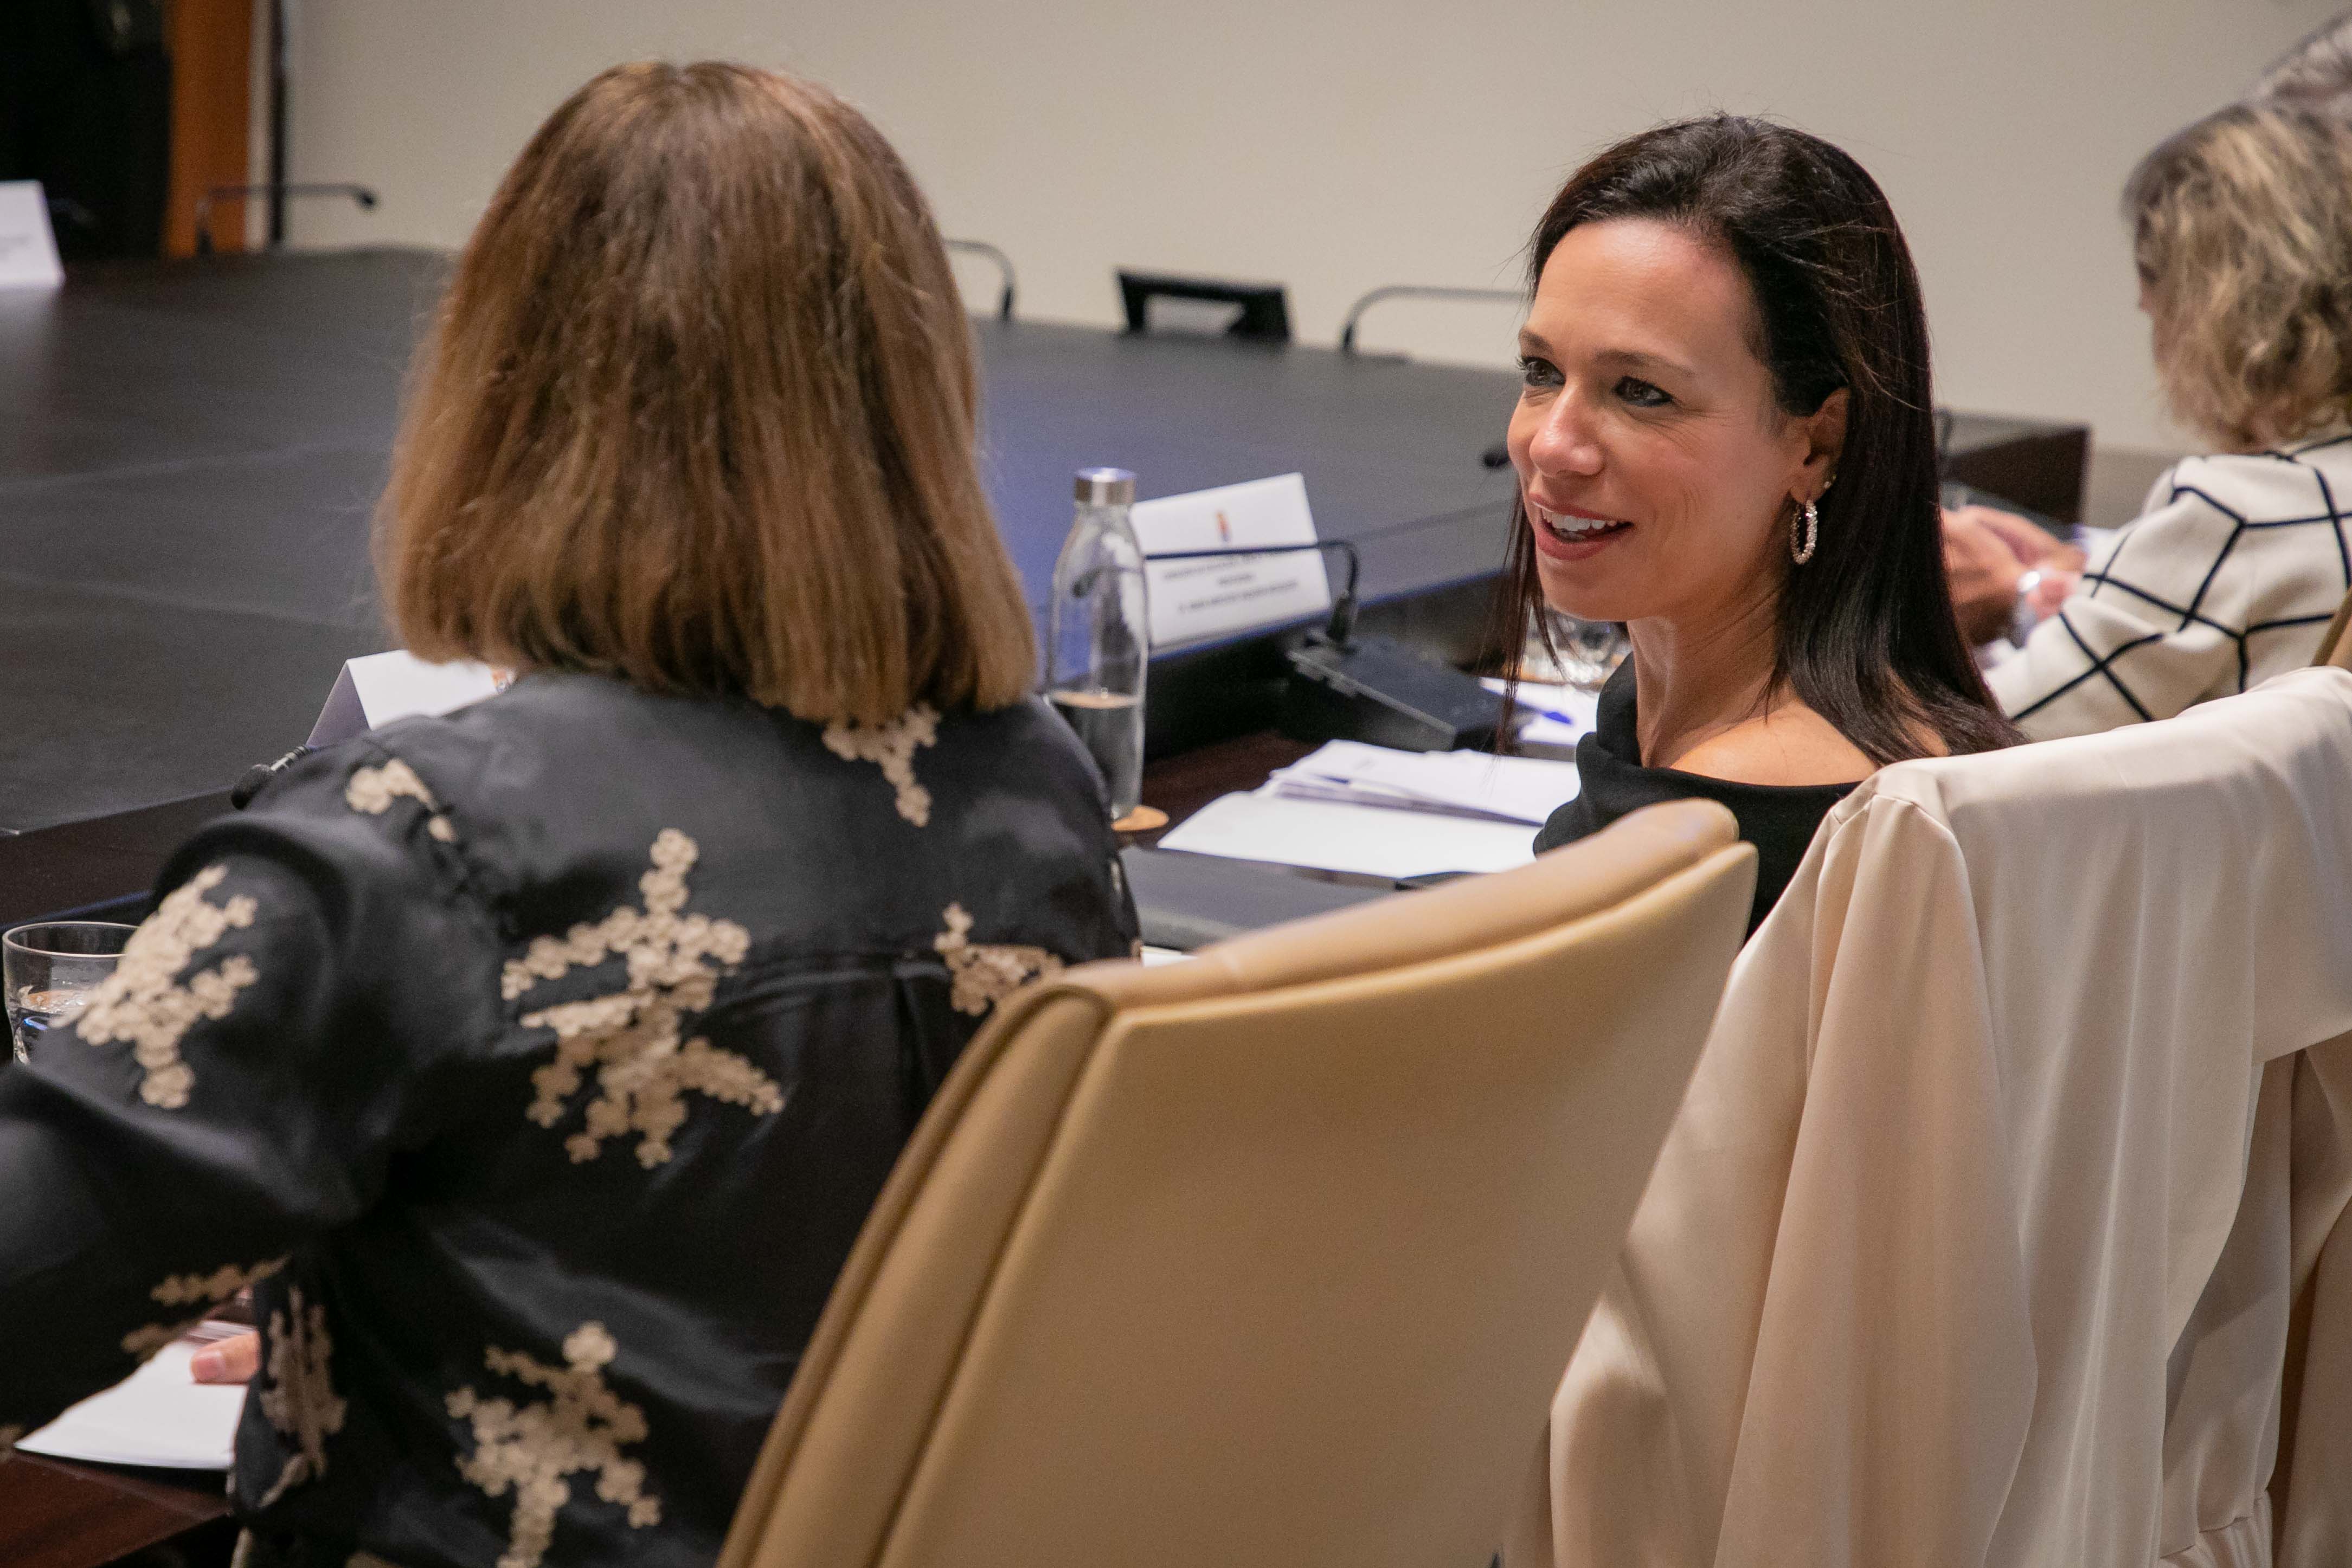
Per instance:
x=2335, y=648
x=1262, y=311
x=1269, y=1257
x=2023, y=1117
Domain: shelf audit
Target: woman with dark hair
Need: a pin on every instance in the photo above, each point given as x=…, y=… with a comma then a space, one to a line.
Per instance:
x=1725, y=441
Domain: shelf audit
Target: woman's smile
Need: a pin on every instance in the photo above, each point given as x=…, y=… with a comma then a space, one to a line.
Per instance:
x=1571, y=533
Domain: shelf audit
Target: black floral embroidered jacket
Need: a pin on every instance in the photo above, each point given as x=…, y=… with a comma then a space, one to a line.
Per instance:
x=540, y=1064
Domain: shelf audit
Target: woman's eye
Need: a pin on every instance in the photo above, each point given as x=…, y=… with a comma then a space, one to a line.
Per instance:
x=1538, y=373
x=1640, y=393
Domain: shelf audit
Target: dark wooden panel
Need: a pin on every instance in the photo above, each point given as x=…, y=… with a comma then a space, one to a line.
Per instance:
x=1181, y=785
x=57, y=1515
x=97, y=870
x=212, y=125
x=2035, y=463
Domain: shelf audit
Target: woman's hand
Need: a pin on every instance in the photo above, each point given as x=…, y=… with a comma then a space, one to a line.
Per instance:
x=2029, y=542
x=232, y=1359
x=1987, y=551
x=1984, y=573
x=2046, y=595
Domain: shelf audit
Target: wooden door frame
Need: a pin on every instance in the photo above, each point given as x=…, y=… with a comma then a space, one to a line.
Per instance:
x=212, y=118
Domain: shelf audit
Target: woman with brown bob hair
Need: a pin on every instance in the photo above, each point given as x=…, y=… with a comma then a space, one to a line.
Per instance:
x=536, y=1065
x=1724, y=440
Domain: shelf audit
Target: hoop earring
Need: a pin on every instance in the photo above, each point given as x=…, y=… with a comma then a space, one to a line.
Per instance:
x=1802, y=542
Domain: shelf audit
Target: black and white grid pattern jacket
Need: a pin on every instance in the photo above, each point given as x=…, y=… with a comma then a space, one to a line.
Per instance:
x=2228, y=577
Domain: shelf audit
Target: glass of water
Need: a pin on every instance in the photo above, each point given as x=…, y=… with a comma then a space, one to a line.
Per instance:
x=1588, y=652
x=50, y=970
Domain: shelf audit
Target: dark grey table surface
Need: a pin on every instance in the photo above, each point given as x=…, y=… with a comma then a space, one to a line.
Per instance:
x=190, y=453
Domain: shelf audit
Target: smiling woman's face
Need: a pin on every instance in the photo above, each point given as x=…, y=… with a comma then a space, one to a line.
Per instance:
x=1657, y=468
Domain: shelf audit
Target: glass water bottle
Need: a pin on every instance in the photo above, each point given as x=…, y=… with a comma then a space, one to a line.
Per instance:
x=1100, y=639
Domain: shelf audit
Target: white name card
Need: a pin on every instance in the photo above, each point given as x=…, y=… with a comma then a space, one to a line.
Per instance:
x=1196, y=599
x=375, y=690
x=28, y=250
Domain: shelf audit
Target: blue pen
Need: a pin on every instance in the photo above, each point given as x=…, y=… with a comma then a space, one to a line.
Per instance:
x=1571, y=720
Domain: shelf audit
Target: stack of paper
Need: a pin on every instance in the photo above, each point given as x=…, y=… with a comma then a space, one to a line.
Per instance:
x=1562, y=714
x=1381, y=813
x=1455, y=783
x=1371, y=840
x=159, y=1416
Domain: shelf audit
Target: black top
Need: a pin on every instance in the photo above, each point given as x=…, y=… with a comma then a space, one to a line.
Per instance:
x=541, y=1063
x=1779, y=819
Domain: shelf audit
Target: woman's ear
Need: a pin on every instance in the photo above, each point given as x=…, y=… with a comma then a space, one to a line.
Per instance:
x=1824, y=430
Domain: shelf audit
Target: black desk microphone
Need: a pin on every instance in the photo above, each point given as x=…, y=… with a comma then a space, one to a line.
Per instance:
x=241, y=794
x=1374, y=689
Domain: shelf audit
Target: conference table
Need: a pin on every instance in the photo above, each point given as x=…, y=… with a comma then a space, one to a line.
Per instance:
x=190, y=453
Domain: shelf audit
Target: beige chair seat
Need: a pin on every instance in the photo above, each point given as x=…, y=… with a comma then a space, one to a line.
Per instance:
x=1270, y=1257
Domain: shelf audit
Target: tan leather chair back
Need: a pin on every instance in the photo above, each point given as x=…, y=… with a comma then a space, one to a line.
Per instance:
x=2334, y=647
x=1271, y=1257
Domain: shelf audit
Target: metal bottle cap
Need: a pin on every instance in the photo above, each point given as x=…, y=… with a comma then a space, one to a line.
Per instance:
x=1106, y=487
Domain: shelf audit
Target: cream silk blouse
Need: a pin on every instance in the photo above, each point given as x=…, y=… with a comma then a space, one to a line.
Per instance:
x=2024, y=1135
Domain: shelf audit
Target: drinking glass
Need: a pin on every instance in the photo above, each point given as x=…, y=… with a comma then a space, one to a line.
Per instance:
x=1589, y=652
x=49, y=971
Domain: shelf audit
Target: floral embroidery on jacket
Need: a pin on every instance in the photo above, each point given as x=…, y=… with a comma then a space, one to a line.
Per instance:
x=531, y=1450
x=984, y=973
x=892, y=746
x=632, y=1034
x=299, y=1400
x=202, y=1291
x=372, y=791
x=142, y=1001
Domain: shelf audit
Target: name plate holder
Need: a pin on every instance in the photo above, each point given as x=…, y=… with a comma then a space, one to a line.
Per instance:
x=1199, y=590
x=29, y=249
x=374, y=689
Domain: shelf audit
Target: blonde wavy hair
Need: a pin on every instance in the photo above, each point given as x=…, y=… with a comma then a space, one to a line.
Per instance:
x=698, y=413
x=2318, y=69
x=2241, y=227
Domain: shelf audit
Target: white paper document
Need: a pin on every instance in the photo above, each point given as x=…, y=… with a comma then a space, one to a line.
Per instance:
x=1196, y=599
x=378, y=688
x=159, y=1416
x=1369, y=839
x=29, y=250
x=1562, y=714
x=1524, y=790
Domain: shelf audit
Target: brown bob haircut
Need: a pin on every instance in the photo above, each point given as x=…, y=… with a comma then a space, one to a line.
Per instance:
x=698, y=413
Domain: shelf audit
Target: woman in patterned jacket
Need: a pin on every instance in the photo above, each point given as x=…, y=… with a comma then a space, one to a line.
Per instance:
x=536, y=1065
x=2242, y=232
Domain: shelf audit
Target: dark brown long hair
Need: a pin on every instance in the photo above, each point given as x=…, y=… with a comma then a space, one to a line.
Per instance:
x=1867, y=638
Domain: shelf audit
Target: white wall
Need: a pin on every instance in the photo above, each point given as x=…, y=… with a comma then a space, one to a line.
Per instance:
x=1335, y=147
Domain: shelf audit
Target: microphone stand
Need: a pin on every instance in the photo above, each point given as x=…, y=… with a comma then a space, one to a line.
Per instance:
x=1369, y=689
x=1340, y=631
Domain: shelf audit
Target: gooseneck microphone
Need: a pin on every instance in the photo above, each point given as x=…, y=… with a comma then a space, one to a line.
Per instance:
x=257, y=776
x=1371, y=688
x=1340, y=630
